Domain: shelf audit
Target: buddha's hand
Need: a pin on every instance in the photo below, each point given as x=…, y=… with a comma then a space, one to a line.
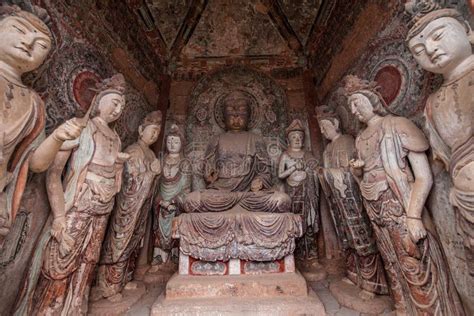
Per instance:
x=257, y=185
x=164, y=204
x=58, y=231
x=155, y=166
x=59, y=225
x=416, y=229
x=356, y=163
x=122, y=157
x=299, y=165
x=69, y=130
x=212, y=176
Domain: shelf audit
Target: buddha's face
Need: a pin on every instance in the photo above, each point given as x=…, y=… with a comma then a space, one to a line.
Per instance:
x=328, y=129
x=295, y=139
x=441, y=46
x=24, y=46
x=173, y=144
x=236, y=114
x=111, y=106
x=361, y=107
x=150, y=134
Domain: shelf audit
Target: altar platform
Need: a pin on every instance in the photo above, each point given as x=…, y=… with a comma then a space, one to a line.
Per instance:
x=263, y=294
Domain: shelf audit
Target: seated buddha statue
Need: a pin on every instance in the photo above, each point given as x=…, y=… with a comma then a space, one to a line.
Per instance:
x=237, y=168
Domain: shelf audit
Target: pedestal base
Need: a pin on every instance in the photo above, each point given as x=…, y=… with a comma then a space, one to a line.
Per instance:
x=269, y=294
x=348, y=295
x=116, y=305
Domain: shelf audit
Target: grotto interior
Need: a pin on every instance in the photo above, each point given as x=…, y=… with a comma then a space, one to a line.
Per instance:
x=236, y=157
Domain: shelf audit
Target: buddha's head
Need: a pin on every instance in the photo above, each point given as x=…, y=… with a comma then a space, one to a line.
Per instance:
x=26, y=39
x=174, y=140
x=236, y=111
x=149, y=130
x=440, y=39
x=109, y=101
x=330, y=127
x=364, y=99
x=295, y=134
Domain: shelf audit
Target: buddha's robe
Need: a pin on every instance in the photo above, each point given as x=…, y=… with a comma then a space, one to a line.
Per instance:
x=237, y=158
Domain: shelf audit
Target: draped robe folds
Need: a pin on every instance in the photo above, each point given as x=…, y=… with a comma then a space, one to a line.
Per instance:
x=128, y=221
x=363, y=262
x=419, y=276
x=459, y=158
x=58, y=281
x=237, y=158
x=18, y=143
x=230, y=221
x=305, y=201
x=170, y=189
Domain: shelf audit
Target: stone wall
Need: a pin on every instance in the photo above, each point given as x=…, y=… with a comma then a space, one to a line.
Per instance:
x=405, y=88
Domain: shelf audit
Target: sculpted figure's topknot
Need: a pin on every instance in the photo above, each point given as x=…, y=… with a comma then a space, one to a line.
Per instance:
x=369, y=89
x=425, y=11
x=152, y=118
x=353, y=84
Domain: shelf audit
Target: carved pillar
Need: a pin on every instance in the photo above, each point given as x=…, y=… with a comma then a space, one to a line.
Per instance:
x=327, y=236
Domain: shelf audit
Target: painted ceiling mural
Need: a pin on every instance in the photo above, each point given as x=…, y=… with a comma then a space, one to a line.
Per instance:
x=301, y=14
x=237, y=27
x=194, y=29
x=168, y=16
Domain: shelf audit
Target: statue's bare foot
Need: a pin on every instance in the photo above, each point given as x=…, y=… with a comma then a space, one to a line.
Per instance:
x=115, y=298
x=346, y=280
x=132, y=285
x=366, y=295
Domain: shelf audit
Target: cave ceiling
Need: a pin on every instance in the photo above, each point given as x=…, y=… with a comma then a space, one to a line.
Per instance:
x=186, y=31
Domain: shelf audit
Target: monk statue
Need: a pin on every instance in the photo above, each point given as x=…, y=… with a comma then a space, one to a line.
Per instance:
x=395, y=179
x=363, y=262
x=25, y=41
x=297, y=167
x=81, y=205
x=237, y=170
x=174, y=184
x=127, y=225
x=440, y=42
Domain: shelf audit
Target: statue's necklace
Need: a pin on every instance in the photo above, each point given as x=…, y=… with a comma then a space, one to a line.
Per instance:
x=110, y=139
x=170, y=162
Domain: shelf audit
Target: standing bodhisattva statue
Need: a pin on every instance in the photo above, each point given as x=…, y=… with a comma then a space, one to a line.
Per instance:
x=363, y=262
x=25, y=41
x=129, y=218
x=395, y=179
x=440, y=42
x=81, y=201
x=297, y=167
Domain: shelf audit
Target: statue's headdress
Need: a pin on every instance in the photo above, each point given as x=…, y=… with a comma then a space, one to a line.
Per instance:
x=175, y=131
x=39, y=17
x=425, y=11
x=152, y=118
x=114, y=84
x=323, y=112
x=295, y=126
x=369, y=89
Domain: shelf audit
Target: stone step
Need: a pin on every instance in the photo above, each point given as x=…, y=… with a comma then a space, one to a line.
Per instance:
x=245, y=286
x=256, y=306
